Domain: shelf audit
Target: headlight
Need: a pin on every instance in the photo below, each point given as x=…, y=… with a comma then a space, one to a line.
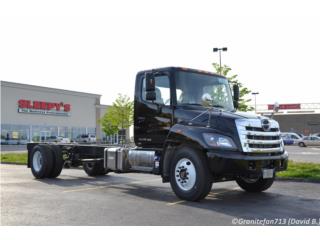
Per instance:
x=219, y=141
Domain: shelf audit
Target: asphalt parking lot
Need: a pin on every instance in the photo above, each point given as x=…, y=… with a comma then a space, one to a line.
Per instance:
x=141, y=199
x=304, y=154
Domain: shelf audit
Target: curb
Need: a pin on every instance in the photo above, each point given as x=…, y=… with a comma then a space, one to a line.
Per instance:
x=298, y=180
x=13, y=163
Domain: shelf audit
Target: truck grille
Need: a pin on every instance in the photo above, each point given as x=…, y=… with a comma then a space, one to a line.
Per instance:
x=259, y=129
x=259, y=135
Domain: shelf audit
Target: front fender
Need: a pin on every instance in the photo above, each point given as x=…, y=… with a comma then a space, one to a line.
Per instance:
x=182, y=135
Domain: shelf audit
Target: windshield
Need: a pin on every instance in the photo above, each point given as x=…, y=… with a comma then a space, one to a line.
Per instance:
x=203, y=89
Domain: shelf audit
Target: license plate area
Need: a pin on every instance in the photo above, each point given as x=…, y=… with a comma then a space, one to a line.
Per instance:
x=267, y=173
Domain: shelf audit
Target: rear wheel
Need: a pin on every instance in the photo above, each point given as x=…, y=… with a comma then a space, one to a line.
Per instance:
x=57, y=163
x=41, y=161
x=94, y=169
x=189, y=175
x=255, y=185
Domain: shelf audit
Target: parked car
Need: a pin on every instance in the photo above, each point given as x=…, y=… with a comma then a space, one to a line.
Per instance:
x=292, y=135
x=50, y=139
x=55, y=139
x=309, y=141
x=12, y=141
x=287, y=141
x=86, y=138
x=289, y=138
x=23, y=141
x=63, y=139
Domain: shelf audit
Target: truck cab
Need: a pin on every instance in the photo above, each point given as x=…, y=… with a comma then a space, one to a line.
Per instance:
x=178, y=97
x=185, y=110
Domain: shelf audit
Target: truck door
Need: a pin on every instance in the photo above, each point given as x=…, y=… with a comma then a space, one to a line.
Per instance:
x=153, y=118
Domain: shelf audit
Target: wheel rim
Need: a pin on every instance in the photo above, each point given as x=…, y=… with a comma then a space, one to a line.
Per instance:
x=185, y=174
x=37, y=161
x=90, y=165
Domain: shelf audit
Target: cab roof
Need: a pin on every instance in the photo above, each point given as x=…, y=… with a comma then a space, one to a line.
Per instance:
x=180, y=69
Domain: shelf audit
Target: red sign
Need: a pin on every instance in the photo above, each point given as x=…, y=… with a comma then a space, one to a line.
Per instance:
x=42, y=107
x=286, y=106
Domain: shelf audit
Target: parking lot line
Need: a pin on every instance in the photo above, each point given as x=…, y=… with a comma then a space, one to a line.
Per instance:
x=217, y=193
x=106, y=186
x=174, y=203
x=211, y=195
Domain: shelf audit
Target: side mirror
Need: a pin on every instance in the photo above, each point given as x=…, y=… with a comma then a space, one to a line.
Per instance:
x=150, y=82
x=150, y=87
x=206, y=99
x=236, y=95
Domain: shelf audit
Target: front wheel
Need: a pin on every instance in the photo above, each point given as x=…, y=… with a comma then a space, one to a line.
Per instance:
x=189, y=175
x=301, y=144
x=255, y=185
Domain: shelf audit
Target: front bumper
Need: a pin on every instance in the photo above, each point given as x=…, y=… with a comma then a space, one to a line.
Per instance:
x=233, y=164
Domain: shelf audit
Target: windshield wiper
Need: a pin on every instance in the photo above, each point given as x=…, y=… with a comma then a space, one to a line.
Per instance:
x=208, y=111
x=217, y=106
x=192, y=104
x=198, y=104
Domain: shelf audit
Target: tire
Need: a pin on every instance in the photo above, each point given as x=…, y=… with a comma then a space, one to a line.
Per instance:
x=57, y=161
x=259, y=185
x=94, y=169
x=301, y=144
x=190, y=167
x=41, y=161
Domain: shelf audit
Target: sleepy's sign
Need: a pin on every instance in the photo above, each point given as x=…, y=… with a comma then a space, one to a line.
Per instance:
x=44, y=107
x=286, y=106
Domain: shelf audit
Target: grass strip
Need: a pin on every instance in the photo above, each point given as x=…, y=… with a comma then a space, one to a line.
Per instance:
x=16, y=158
x=301, y=170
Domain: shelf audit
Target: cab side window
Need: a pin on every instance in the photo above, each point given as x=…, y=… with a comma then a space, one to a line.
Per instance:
x=162, y=90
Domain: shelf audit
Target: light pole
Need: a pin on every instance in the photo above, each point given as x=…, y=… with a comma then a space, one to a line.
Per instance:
x=255, y=100
x=276, y=107
x=224, y=49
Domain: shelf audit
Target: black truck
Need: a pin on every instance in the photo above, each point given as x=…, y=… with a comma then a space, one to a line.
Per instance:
x=186, y=129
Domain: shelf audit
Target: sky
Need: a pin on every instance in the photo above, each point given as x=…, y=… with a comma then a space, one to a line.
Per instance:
x=99, y=46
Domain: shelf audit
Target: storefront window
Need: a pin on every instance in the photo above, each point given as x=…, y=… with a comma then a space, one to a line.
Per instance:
x=43, y=133
x=65, y=132
x=14, y=134
x=77, y=132
x=113, y=139
x=22, y=134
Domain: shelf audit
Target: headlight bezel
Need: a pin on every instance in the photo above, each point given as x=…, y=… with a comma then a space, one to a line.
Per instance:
x=219, y=141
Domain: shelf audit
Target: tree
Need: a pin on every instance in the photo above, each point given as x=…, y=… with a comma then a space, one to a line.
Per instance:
x=224, y=70
x=119, y=116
